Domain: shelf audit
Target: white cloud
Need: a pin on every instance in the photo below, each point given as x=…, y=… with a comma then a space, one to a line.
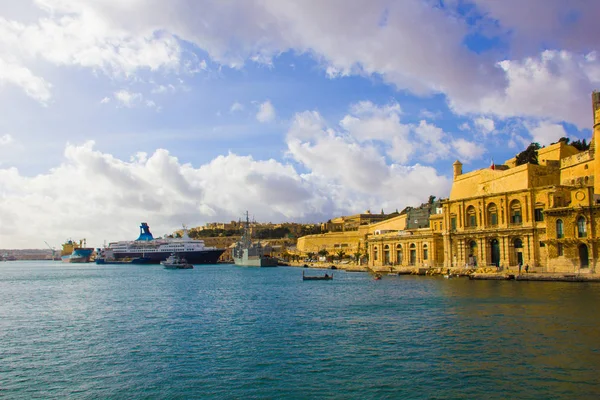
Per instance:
x=127, y=98
x=564, y=24
x=34, y=86
x=132, y=99
x=367, y=121
x=266, y=112
x=105, y=100
x=433, y=142
x=163, y=89
x=484, y=125
x=6, y=139
x=159, y=189
x=468, y=151
x=545, y=132
x=236, y=107
x=122, y=38
x=553, y=86
x=428, y=114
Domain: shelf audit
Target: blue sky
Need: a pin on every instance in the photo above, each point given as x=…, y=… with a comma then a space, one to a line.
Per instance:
x=186, y=112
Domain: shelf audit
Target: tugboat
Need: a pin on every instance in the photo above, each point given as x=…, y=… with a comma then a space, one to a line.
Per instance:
x=248, y=254
x=176, y=262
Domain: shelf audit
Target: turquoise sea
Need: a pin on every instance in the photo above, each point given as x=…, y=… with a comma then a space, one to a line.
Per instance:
x=221, y=331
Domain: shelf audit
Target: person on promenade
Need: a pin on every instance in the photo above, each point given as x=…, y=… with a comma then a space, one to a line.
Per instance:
x=520, y=265
x=526, y=268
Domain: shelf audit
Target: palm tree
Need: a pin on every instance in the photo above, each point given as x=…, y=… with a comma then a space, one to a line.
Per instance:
x=310, y=255
x=341, y=254
x=357, y=256
x=323, y=253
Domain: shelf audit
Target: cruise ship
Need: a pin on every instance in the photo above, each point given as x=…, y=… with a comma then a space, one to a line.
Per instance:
x=153, y=251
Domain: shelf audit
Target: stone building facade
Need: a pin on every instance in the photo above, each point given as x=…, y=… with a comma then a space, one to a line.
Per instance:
x=545, y=216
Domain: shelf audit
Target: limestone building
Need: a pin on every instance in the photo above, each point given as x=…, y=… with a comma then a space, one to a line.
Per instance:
x=544, y=215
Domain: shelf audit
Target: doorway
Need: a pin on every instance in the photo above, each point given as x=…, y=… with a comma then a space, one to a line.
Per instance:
x=584, y=260
x=495, y=252
x=519, y=251
x=472, y=261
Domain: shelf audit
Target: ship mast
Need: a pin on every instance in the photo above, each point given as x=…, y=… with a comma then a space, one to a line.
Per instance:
x=247, y=240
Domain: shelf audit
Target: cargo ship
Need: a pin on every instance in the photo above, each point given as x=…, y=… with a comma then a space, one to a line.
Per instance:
x=153, y=251
x=73, y=252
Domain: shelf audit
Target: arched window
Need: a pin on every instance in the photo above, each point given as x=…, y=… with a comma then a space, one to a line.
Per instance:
x=581, y=232
x=492, y=214
x=425, y=252
x=471, y=217
x=559, y=229
x=386, y=254
x=515, y=212
x=399, y=254
x=518, y=244
x=375, y=253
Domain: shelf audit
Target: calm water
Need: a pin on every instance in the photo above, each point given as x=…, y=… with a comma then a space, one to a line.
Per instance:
x=82, y=331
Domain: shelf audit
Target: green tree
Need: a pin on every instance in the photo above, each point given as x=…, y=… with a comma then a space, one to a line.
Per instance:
x=580, y=145
x=529, y=155
x=323, y=253
x=341, y=254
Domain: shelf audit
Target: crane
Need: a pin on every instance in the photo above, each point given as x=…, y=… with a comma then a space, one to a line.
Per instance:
x=52, y=249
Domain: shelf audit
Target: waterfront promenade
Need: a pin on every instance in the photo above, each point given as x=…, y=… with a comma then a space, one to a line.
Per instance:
x=485, y=273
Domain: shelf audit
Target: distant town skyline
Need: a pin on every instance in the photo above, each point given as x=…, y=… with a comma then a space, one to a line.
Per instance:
x=188, y=112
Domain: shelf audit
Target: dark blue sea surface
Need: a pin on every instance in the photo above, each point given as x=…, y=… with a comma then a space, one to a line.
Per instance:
x=221, y=331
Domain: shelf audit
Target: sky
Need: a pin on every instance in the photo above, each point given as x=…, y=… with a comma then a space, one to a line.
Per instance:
x=181, y=112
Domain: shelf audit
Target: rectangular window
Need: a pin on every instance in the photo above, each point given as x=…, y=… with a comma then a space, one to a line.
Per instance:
x=542, y=244
x=425, y=254
x=494, y=219
x=472, y=220
x=516, y=217
x=539, y=214
x=560, y=249
x=453, y=223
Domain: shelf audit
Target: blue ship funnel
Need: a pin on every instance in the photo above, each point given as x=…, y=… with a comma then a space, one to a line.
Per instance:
x=145, y=233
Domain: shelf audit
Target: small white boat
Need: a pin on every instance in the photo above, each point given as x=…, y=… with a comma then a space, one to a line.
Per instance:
x=176, y=262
